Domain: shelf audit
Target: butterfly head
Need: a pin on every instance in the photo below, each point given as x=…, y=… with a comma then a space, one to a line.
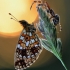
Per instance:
x=23, y=23
x=27, y=26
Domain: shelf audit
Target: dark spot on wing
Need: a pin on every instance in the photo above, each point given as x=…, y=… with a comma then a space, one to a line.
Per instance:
x=20, y=63
x=20, y=41
x=34, y=50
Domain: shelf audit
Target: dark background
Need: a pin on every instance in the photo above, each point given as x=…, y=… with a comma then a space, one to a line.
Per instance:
x=47, y=61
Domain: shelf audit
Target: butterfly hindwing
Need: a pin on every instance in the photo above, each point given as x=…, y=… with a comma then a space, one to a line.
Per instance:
x=27, y=50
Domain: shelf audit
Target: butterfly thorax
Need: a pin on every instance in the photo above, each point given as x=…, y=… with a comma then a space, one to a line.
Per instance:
x=28, y=27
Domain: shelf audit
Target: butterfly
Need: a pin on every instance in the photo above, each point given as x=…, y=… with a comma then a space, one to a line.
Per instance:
x=28, y=46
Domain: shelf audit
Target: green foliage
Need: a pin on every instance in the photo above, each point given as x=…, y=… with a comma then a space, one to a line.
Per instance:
x=48, y=30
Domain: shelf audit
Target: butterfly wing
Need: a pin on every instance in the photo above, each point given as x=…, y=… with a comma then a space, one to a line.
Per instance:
x=27, y=50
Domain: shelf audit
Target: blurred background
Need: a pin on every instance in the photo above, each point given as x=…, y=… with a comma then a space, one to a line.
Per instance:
x=10, y=31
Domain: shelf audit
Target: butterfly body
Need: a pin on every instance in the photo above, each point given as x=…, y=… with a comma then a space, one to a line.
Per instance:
x=28, y=47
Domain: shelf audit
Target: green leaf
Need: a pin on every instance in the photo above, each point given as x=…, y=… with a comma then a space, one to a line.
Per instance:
x=59, y=45
x=46, y=44
x=48, y=30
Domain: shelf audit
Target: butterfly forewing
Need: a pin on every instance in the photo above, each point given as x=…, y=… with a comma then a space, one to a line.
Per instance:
x=27, y=50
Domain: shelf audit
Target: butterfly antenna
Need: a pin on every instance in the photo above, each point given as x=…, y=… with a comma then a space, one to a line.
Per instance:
x=13, y=17
x=32, y=4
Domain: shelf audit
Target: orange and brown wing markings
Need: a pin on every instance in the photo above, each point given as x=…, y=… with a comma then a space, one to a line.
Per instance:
x=20, y=41
x=27, y=37
x=23, y=34
x=31, y=45
x=23, y=45
x=32, y=37
x=35, y=43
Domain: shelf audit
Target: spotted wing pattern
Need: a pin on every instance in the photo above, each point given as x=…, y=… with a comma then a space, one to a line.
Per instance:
x=27, y=50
